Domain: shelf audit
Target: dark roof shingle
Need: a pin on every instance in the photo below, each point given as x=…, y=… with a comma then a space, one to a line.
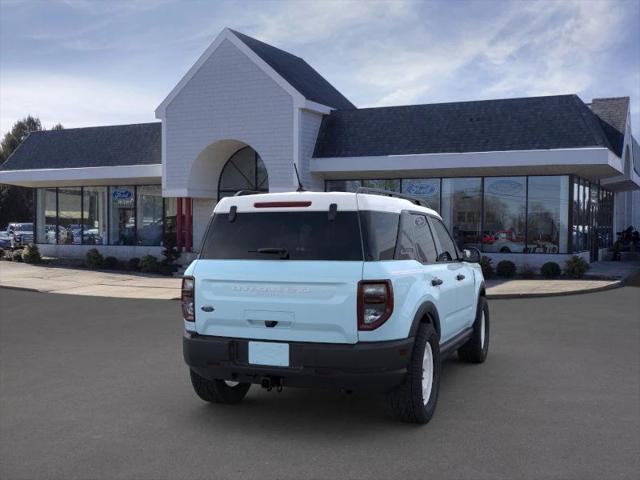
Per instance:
x=612, y=113
x=298, y=73
x=533, y=123
x=114, y=145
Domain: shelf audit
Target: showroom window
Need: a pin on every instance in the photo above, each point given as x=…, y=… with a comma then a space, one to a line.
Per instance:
x=342, y=185
x=425, y=188
x=94, y=215
x=505, y=214
x=46, y=215
x=521, y=214
x=120, y=215
x=462, y=210
x=547, y=218
x=149, y=215
x=392, y=185
x=122, y=218
x=69, y=216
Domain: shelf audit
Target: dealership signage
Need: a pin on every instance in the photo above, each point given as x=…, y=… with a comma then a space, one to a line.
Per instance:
x=418, y=187
x=123, y=197
x=505, y=187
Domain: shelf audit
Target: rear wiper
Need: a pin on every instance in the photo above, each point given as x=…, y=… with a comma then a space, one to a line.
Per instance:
x=283, y=252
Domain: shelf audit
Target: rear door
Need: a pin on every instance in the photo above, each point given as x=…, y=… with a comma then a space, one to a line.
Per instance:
x=458, y=276
x=288, y=274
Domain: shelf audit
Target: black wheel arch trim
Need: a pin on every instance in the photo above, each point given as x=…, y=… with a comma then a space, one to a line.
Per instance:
x=426, y=310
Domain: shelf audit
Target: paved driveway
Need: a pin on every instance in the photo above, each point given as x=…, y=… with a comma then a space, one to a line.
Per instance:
x=95, y=388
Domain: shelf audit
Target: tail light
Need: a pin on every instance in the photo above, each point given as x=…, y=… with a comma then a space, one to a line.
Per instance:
x=375, y=303
x=187, y=299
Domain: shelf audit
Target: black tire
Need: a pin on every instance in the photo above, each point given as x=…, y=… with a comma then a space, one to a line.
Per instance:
x=406, y=401
x=217, y=391
x=475, y=350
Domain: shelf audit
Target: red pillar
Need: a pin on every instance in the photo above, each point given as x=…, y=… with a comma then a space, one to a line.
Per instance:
x=179, y=225
x=187, y=214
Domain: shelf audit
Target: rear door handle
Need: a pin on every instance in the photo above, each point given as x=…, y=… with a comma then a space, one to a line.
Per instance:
x=207, y=308
x=436, y=281
x=460, y=277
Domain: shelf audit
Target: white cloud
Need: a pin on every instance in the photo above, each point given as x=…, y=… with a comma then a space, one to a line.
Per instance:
x=307, y=22
x=73, y=101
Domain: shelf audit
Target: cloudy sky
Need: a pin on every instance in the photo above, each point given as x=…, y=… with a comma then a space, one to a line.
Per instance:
x=82, y=62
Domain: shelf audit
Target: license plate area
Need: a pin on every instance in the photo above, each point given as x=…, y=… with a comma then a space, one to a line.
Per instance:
x=269, y=353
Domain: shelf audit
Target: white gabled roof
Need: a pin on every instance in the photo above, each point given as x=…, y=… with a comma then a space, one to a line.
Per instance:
x=235, y=38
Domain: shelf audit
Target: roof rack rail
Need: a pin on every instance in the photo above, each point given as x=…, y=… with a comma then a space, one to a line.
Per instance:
x=242, y=193
x=388, y=193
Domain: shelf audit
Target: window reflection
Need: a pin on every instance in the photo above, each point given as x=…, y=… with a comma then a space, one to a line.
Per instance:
x=504, y=214
x=94, y=218
x=69, y=216
x=343, y=185
x=46, y=215
x=149, y=215
x=461, y=210
x=548, y=214
x=393, y=185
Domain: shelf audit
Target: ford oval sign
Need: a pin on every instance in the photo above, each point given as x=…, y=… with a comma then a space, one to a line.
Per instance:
x=122, y=194
x=505, y=187
x=419, y=188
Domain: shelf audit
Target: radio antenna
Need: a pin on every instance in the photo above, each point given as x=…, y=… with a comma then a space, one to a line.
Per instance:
x=300, y=187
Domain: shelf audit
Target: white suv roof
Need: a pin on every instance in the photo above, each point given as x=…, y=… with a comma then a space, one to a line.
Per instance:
x=318, y=201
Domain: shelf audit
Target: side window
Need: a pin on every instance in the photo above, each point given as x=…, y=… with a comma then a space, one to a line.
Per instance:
x=415, y=241
x=406, y=250
x=424, y=240
x=448, y=250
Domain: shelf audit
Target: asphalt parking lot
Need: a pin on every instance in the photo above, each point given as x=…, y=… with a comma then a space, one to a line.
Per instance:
x=96, y=388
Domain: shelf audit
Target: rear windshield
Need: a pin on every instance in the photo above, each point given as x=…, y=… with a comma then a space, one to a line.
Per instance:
x=283, y=235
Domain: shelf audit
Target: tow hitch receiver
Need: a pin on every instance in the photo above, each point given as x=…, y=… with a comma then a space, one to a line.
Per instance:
x=270, y=383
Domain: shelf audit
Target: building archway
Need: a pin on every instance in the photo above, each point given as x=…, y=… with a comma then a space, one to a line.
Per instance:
x=244, y=170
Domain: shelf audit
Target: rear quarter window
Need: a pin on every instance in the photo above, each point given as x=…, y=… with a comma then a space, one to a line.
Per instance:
x=379, y=234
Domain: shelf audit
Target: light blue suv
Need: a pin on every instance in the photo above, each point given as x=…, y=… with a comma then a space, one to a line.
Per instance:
x=361, y=290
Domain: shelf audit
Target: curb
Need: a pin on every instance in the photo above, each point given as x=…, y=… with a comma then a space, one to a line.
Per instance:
x=24, y=289
x=27, y=289
x=505, y=296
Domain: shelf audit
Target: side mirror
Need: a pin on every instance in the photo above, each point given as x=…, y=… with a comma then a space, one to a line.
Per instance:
x=471, y=255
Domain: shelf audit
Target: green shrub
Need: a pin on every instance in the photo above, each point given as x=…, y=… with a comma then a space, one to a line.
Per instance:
x=149, y=264
x=487, y=268
x=1, y=253
x=576, y=267
x=16, y=256
x=527, y=271
x=94, y=259
x=110, y=263
x=506, y=269
x=31, y=254
x=550, y=270
x=133, y=264
x=166, y=269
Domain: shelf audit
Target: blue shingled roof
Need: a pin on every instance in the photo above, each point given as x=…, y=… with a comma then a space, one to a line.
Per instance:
x=534, y=123
x=298, y=73
x=114, y=145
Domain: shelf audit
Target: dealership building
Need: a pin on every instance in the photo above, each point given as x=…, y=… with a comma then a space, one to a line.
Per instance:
x=527, y=179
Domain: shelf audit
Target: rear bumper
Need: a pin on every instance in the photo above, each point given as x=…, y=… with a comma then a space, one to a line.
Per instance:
x=374, y=366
